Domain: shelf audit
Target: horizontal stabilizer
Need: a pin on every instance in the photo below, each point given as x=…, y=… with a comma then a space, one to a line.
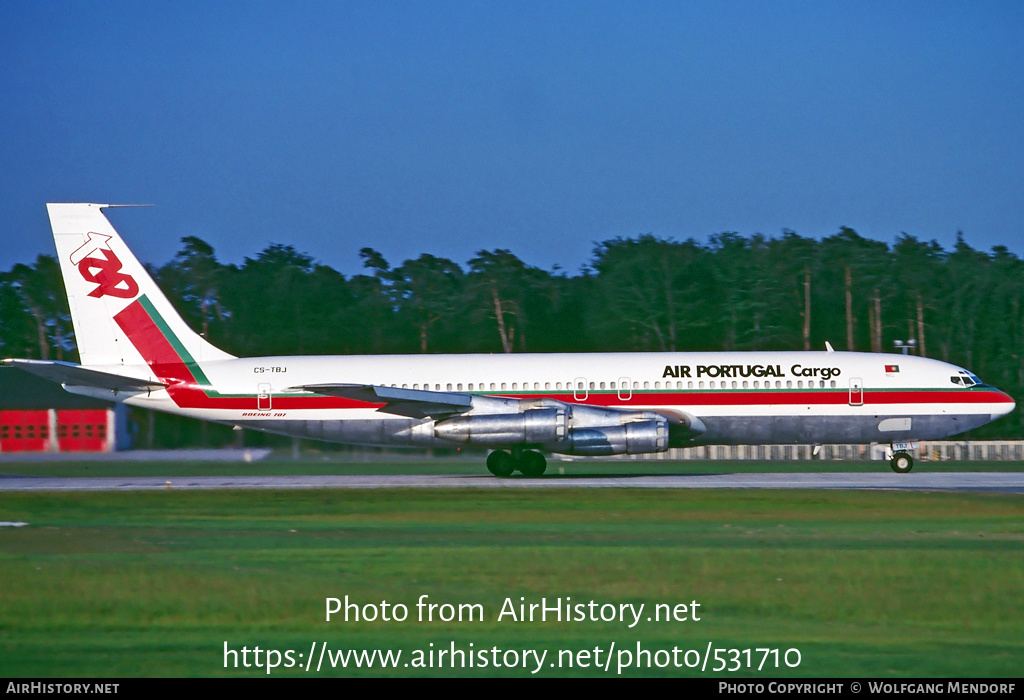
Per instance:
x=412, y=403
x=76, y=375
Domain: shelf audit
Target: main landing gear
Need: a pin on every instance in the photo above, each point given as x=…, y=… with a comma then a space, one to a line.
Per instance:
x=901, y=462
x=530, y=463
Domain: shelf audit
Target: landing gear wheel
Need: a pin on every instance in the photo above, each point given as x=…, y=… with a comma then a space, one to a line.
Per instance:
x=901, y=462
x=532, y=464
x=500, y=463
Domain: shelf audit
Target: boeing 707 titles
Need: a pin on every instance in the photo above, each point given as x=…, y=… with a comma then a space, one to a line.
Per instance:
x=136, y=349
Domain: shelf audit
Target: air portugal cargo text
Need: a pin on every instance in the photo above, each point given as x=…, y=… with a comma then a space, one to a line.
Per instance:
x=736, y=371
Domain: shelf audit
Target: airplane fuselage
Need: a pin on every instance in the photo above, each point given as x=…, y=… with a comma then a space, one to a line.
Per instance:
x=740, y=398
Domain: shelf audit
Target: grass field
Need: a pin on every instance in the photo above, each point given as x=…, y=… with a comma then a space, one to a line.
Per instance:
x=861, y=583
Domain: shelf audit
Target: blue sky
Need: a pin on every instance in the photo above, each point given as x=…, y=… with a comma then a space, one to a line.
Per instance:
x=542, y=127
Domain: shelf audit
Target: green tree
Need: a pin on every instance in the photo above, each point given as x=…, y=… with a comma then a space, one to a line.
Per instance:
x=40, y=290
x=192, y=282
x=850, y=270
x=498, y=286
x=657, y=292
x=426, y=293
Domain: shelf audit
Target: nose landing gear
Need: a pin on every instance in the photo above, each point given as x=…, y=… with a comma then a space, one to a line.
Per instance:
x=901, y=462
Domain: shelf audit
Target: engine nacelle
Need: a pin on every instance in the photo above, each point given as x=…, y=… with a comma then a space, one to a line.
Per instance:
x=629, y=438
x=538, y=426
x=561, y=428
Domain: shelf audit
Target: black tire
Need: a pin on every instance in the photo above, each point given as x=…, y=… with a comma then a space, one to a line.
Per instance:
x=901, y=462
x=532, y=464
x=500, y=463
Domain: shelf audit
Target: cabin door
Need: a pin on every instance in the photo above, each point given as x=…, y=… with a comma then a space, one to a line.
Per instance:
x=856, y=392
x=263, y=397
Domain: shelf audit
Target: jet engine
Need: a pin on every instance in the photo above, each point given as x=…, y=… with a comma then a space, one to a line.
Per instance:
x=537, y=426
x=629, y=438
x=562, y=428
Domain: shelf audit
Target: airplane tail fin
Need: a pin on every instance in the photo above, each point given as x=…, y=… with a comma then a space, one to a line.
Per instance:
x=116, y=307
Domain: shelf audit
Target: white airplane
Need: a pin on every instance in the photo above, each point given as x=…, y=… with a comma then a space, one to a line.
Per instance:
x=136, y=349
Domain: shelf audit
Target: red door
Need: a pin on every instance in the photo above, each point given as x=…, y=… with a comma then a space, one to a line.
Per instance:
x=24, y=431
x=82, y=431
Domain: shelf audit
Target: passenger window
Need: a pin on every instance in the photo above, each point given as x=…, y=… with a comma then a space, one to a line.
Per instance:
x=689, y=385
x=657, y=385
x=789, y=384
x=558, y=386
x=701, y=385
x=547, y=385
x=745, y=385
x=734, y=384
x=503, y=386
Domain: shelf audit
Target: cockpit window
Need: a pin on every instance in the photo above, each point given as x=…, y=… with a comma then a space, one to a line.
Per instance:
x=965, y=379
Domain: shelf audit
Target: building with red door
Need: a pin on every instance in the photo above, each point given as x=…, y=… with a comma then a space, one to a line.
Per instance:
x=39, y=416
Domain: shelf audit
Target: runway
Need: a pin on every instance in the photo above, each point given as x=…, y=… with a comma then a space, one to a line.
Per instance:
x=1004, y=482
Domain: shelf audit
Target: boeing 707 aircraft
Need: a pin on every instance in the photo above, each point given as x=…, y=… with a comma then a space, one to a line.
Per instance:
x=135, y=348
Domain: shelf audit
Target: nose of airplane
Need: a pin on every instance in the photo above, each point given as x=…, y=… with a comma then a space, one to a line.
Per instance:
x=1004, y=404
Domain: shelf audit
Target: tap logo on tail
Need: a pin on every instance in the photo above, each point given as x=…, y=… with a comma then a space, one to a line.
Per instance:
x=103, y=271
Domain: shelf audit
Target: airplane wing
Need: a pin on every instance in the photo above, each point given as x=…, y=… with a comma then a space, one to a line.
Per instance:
x=76, y=375
x=411, y=403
